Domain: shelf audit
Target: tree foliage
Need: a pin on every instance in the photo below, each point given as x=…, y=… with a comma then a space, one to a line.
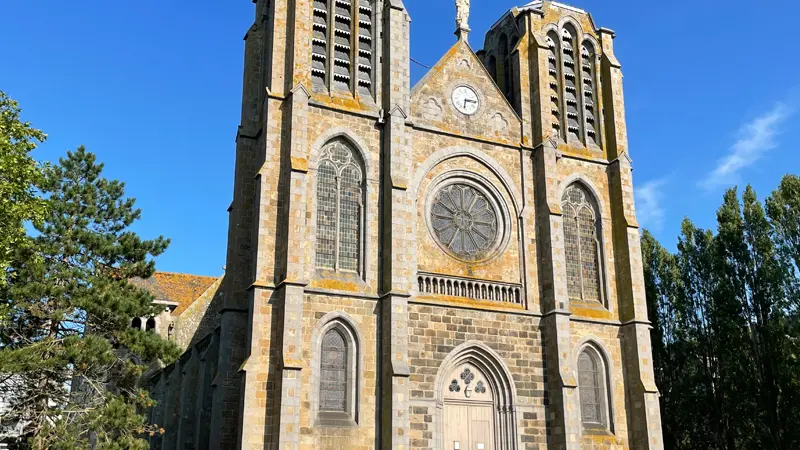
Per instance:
x=70, y=359
x=726, y=325
x=20, y=176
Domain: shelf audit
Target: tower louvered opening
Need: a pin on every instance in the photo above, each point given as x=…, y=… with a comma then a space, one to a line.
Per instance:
x=574, y=117
x=365, y=47
x=342, y=44
x=589, y=72
x=319, y=43
x=343, y=51
x=554, y=81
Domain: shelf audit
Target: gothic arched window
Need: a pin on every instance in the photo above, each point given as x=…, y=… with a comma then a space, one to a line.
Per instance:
x=337, y=380
x=136, y=323
x=340, y=195
x=582, y=244
x=151, y=324
x=342, y=45
x=333, y=373
x=593, y=388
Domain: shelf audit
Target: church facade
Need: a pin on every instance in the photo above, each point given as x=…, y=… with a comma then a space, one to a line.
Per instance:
x=452, y=265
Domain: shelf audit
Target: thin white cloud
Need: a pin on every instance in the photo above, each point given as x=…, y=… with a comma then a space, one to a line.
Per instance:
x=755, y=139
x=649, y=204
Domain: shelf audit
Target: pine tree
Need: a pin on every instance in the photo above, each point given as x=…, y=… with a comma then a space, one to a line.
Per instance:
x=71, y=359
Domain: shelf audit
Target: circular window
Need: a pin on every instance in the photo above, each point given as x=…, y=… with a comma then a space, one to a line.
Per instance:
x=465, y=221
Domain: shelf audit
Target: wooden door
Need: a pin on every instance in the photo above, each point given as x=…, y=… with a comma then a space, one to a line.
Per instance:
x=469, y=411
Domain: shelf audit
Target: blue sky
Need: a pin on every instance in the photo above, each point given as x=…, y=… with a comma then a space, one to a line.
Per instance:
x=154, y=88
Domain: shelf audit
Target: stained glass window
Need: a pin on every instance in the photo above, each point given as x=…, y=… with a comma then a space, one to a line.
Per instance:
x=339, y=209
x=591, y=386
x=581, y=244
x=464, y=221
x=333, y=373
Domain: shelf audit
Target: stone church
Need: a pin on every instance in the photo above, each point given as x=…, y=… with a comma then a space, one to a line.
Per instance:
x=453, y=265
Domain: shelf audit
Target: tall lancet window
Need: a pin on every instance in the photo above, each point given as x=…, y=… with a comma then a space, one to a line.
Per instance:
x=343, y=49
x=554, y=81
x=571, y=96
x=589, y=72
x=340, y=194
x=593, y=389
x=582, y=231
x=333, y=373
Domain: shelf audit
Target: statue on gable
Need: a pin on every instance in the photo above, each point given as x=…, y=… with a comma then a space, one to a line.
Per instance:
x=462, y=15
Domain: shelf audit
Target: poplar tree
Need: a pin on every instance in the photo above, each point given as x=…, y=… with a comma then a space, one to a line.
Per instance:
x=726, y=331
x=20, y=176
x=70, y=358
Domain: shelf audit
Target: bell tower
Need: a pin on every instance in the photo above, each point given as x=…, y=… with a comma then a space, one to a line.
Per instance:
x=560, y=73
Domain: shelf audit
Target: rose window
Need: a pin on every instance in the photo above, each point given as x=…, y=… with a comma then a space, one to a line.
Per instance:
x=464, y=222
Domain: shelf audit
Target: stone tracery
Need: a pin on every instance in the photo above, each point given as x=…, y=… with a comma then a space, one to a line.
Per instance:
x=464, y=221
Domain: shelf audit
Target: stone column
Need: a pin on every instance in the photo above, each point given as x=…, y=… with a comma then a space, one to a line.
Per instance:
x=398, y=262
x=644, y=414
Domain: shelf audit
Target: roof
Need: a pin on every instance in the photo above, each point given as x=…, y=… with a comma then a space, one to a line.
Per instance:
x=538, y=6
x=180, y=288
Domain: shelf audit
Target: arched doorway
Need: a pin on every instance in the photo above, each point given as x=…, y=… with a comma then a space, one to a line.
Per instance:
x=469, y=421
x=475, y=401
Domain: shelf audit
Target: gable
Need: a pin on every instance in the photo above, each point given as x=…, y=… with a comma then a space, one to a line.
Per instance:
x=432, y=105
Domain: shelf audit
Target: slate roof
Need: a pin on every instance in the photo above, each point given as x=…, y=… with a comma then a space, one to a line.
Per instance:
x=181, y=288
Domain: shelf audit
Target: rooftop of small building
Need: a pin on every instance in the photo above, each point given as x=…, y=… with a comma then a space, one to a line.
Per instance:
x=183, y=289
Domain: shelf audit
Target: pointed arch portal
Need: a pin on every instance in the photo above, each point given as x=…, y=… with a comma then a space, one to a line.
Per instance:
x=475, y=401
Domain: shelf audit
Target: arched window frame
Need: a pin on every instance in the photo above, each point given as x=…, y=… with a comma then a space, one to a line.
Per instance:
x=604, y=394
x=136, y=323
x=592, y=204
x=338, y=322
x=151, y=324
x=339, y=168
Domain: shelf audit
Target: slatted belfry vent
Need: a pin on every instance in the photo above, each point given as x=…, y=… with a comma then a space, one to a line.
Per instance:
x=365, y=47
x=589, y=71
x=342, y=44
x=574, y=121
x=319, y=43
x=554, y=81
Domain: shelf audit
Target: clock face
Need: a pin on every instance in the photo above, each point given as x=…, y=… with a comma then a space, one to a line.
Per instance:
x=465, y=99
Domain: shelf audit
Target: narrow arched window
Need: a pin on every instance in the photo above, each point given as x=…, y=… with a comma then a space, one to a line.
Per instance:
x=340, y=192
x=582, y=244
x=333, y=389
x=554, y=82
x=572, y=101
x=592, y=384
x=151, y=324
x=136, y=323
x=591, y=106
